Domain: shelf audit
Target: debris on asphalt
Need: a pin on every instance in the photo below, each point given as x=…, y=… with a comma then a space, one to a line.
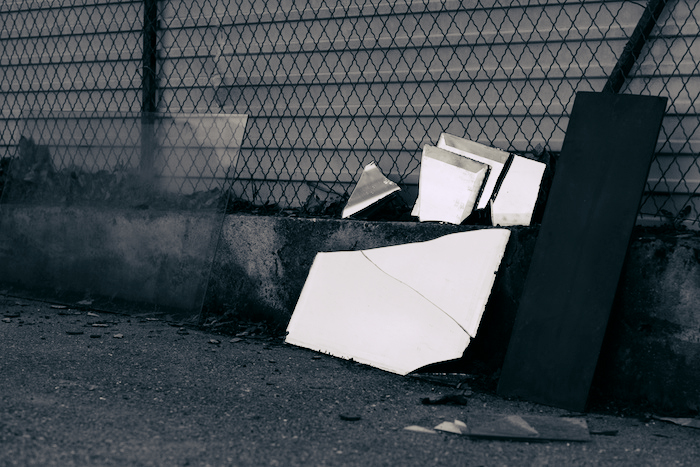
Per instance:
x=74, y=333
x=449, y=399
x=214, y=341
x=6, y=320
x=93, y=314
x=69, y=313
x=689, y=422
x=235, y=339
x=59, y=307
x=118, y=336
x=85, y=302
x=99, y=325
x=455, y=380
x=372, y=189
x=457, y=427
x=420, y=429
x=95, y=336
x=376, y=307
x=531, y=427
x=350, y=418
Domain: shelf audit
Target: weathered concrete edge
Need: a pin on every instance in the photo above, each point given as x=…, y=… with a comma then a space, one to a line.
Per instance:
x=650, y=357
x=651, y=354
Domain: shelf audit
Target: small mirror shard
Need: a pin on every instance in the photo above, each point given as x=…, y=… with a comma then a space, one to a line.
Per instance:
x=372, y=188
x=516, y=199
x=532, y=427
x=402, y=307
x=495, y=158
x=456, y=427
x=449, y=185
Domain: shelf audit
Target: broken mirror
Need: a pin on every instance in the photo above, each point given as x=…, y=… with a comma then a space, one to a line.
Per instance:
x=119, y=210
x=402, y=307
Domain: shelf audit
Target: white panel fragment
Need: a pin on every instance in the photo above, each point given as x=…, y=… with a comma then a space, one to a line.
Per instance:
x=402, y=307
x=517, y=197
x=372, y=187
x=456, y=427
x=494, y=158
x=449, y=185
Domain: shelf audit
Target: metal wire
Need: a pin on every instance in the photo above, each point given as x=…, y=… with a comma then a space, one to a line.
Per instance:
x=332, y=86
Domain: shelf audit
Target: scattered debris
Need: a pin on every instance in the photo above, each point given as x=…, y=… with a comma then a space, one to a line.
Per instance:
x=74, y=333
x=85, y=302
x=449, y=399
x=214, y=341
x=455, y=380
x=376, y=307
x=461, y=181
x=372, y=188
x=118, y=336
x=6, y=320
x=531, y=427
x=350, y=418
x=457, y=427
x=95, y=315
x=59, y=307
x=689, y=422
x=95, y=336
x=420, y=429
x=99, y=325
x=235, y=339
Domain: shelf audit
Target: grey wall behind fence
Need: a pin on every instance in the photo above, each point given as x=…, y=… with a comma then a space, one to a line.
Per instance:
x=331, y=86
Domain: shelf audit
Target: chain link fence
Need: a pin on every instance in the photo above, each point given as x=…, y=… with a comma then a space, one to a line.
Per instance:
x=330, y=86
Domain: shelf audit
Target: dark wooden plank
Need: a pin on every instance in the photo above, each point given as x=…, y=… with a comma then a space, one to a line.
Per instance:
x=580, y=248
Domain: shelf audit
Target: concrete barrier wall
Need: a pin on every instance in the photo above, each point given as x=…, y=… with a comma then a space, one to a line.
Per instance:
x=650, y=357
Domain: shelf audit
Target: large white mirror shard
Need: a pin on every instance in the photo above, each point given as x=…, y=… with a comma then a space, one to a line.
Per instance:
x=402, y=307
x=449, y=185
x=372, y=187
x=516, y=199
x=496, y=159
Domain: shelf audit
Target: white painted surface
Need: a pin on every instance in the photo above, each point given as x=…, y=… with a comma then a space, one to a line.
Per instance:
x=493, y=157
x=399, y=308
x=515, y=202
x=449, y=185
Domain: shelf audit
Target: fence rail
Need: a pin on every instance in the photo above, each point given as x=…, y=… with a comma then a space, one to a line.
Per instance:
x=330, y=86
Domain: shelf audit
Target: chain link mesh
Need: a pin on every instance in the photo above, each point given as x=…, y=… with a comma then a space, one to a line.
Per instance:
x=331, y=86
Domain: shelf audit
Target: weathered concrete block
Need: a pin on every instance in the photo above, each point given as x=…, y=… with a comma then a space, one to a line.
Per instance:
x=651, y=353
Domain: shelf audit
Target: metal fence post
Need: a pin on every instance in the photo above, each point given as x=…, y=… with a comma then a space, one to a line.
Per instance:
x=149, y=104
x=634, y=46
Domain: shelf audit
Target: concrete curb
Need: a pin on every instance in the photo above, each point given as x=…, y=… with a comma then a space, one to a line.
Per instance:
x=651, y=354
x=650, y=357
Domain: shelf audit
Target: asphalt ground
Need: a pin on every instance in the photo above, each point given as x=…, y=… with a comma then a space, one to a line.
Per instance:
x=82, y=387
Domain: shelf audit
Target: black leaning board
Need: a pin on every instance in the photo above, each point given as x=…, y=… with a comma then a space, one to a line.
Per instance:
x=580, y=249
